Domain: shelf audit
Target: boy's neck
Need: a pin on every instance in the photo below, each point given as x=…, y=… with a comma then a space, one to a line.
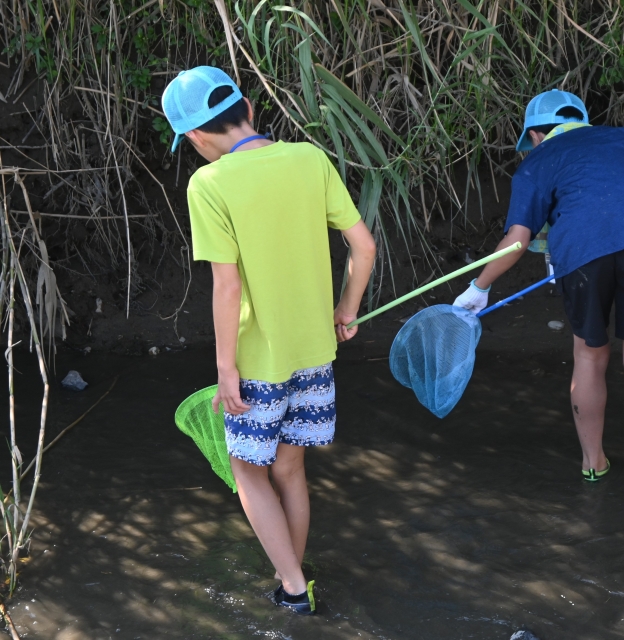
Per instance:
x=226, y=141
x=214, y=145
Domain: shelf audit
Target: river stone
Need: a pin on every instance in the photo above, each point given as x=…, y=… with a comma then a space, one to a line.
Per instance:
x=73, y=380
x=523, y=634
x=556, y=325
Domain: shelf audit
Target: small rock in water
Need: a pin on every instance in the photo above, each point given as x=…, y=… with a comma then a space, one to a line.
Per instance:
x=154, y=351
x=556, y=325
x=73, y=380
x=524, y=634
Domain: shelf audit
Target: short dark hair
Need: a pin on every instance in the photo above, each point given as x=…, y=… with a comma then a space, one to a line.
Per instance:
x=233, y=116
x=566, y=112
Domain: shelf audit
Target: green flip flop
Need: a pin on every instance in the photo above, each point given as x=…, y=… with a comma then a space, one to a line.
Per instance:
x=592, y=475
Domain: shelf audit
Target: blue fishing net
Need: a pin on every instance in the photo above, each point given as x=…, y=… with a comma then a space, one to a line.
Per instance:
x=434, y=353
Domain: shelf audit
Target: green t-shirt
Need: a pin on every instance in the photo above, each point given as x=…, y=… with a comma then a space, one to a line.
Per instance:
x=267, y=210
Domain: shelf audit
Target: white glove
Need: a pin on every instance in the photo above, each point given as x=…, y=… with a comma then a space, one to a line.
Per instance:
x=473, y=299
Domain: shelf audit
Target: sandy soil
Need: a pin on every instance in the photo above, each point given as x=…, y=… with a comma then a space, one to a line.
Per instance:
x=467, y=527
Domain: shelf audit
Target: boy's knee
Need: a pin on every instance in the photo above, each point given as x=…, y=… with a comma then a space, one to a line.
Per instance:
x=284, y=470
x=591, y=360
x=241, y=468
x=597, y=355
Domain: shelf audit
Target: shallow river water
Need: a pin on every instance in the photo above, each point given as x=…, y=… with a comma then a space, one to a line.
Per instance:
x=469, y=527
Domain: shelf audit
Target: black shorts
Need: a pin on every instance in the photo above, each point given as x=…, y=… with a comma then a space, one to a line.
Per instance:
x=588, y=295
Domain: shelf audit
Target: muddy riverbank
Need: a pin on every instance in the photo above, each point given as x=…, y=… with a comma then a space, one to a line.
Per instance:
x=469, y=527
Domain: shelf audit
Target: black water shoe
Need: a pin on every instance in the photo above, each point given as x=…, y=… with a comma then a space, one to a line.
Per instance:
x=302, y=603
x=592, y=475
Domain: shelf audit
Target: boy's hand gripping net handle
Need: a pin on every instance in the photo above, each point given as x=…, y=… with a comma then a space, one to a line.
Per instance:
x=435, y=283
x=502, y=303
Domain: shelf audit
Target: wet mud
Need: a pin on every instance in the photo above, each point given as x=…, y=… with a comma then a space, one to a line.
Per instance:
x=467, y=527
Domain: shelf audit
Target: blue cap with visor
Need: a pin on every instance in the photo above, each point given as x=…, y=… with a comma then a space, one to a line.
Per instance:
x=546, y=108
x=185, y=100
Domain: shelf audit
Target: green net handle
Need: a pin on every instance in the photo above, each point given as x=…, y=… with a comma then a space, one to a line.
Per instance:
x=435, y=283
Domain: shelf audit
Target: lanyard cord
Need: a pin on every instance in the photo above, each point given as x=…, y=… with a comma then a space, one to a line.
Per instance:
x=249, y=139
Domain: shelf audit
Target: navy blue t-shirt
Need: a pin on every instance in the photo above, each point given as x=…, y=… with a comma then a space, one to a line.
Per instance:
x=574, y=181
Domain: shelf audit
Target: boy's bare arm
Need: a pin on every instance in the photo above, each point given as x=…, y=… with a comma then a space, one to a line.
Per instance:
x=361, y=263
x=495, y=269
x=226, y=299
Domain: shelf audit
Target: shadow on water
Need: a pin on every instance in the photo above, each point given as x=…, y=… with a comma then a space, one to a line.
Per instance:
x=468, y=527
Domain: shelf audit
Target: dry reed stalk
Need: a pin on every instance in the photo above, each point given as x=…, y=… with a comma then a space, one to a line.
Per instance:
x=15, y=519
x=124, y=98
x=10, y=511
x=185, y=250
x=7, y=618
x=23, y=530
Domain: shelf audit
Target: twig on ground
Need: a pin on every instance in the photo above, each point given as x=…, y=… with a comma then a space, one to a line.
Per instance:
x=71, y=426
x=7, y=618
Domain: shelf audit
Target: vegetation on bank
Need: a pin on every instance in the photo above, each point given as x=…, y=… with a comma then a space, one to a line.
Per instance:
x=399, y=93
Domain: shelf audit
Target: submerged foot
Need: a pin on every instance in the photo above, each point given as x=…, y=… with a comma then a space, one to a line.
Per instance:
x=301, y=603
x=591, y=475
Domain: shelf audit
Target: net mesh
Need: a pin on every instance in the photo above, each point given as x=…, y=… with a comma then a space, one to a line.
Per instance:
x=196, y=419
x=434, y=354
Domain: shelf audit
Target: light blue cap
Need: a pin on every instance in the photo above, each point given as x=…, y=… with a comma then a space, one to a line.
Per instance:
x=185, y=100
x=545, y=109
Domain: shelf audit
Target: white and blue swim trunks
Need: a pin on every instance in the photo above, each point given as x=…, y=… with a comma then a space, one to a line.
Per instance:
x=300, y=411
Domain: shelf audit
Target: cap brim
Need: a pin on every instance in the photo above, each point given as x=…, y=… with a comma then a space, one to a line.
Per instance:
x=176, y=141
x=524, y=144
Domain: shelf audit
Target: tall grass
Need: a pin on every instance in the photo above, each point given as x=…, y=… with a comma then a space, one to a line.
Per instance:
x=415, y=102
x=409, y=96
x=406, y=96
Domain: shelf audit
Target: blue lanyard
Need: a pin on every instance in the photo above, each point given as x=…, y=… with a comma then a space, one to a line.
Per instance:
x=246, y=140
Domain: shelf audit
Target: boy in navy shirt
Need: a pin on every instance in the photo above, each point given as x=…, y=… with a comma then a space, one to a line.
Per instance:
x=574, y=183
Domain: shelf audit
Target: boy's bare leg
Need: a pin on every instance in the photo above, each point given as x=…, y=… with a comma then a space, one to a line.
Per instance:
x=589, y=398
x=289, y=477
x=267, y=518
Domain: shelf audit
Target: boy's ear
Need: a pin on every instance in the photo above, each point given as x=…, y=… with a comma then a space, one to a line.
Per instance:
x=193, y=137
x=536, y=137
x=250, y=113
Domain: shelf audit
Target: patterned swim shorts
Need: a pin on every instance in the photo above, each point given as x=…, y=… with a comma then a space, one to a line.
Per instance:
x=301, y=411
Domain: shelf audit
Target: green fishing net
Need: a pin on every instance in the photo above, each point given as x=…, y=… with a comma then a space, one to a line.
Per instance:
x=196, y=419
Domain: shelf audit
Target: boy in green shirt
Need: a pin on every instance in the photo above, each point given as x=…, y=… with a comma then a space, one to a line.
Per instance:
x=259, y=213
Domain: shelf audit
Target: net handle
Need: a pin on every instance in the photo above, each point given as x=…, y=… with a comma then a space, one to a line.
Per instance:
x=515, y=295
x=435, y=283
